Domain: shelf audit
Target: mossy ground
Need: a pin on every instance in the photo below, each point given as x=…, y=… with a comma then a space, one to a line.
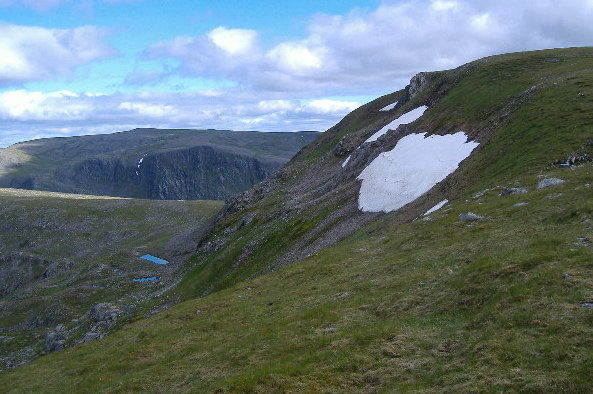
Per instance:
x=102, y=238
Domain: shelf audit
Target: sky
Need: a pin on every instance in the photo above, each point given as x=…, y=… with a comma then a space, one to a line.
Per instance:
x=71, y=67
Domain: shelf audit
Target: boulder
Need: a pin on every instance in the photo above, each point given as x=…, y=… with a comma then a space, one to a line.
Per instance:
x=547, y=182
x=469, y=217
x=105, y=314
x=55, y=340
x=512, y=190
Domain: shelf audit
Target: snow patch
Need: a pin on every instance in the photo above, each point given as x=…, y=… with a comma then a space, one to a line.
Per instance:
x=139, y=164
x=412, y=168
x=389, y=107
x=435, y=208
x=346, y=161
x=406, y=118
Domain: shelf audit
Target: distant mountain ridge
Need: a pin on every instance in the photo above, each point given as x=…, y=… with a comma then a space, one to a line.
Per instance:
x=150, y=163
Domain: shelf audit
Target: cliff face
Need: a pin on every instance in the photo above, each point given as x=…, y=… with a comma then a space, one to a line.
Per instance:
x=198, y=173
x=153, y=164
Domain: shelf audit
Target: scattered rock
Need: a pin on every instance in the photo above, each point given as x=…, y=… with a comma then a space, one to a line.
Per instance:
x=547, y=182
x=104, y=314
x=55, y=340
x=512, y=190
x=520, y=204
x=344, y=146
x=587, y=305
x=469, y=217
x=91, y=336
x=553, y=196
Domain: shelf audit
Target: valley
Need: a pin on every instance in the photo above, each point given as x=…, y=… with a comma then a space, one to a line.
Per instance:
x=62, y=254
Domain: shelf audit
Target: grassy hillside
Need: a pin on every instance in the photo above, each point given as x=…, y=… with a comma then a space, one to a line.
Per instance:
x=392, y=302
x=527, y=110
x=431, y=305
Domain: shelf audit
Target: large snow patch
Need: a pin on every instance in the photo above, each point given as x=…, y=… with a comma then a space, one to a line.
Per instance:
x=412, y=168
x=406, y=118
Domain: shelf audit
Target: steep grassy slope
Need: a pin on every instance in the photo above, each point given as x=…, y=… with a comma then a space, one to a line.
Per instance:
x=62, y=254
x=150, y=163
x=526, y=110
x=382, y=302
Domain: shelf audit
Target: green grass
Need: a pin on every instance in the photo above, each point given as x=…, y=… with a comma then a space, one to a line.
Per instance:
x=427, y=306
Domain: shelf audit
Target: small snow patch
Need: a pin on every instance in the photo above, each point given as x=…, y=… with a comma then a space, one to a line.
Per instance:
x=389, y=107
x=406, y=118
x=346, y=161
x=436, y=207
x=412, y=168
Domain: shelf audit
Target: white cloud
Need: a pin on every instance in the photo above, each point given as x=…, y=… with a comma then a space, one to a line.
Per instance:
x=235, y=42
x=369, y=50
x=325, y=106
x=148, y=110
x=33, y=53
x=63, y=113
x=20, y=105
x=295, y=57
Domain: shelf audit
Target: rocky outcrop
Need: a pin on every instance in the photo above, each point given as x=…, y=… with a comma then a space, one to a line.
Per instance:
x=18, y=270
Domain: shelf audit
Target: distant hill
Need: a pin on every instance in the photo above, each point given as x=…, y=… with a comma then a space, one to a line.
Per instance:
x=150, y=163
x=437, y=239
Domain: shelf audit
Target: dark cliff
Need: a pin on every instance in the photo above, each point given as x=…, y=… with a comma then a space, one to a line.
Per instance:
x=153, y=164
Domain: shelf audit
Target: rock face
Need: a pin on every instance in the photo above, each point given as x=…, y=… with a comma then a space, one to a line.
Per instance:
x=198, y=173
x=201, y=173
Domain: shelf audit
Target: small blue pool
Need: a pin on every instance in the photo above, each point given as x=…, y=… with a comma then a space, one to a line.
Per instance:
x=155, y=260
x=149, y=279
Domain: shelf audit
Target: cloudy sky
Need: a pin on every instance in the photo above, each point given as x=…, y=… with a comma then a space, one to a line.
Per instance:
x=71, y=67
